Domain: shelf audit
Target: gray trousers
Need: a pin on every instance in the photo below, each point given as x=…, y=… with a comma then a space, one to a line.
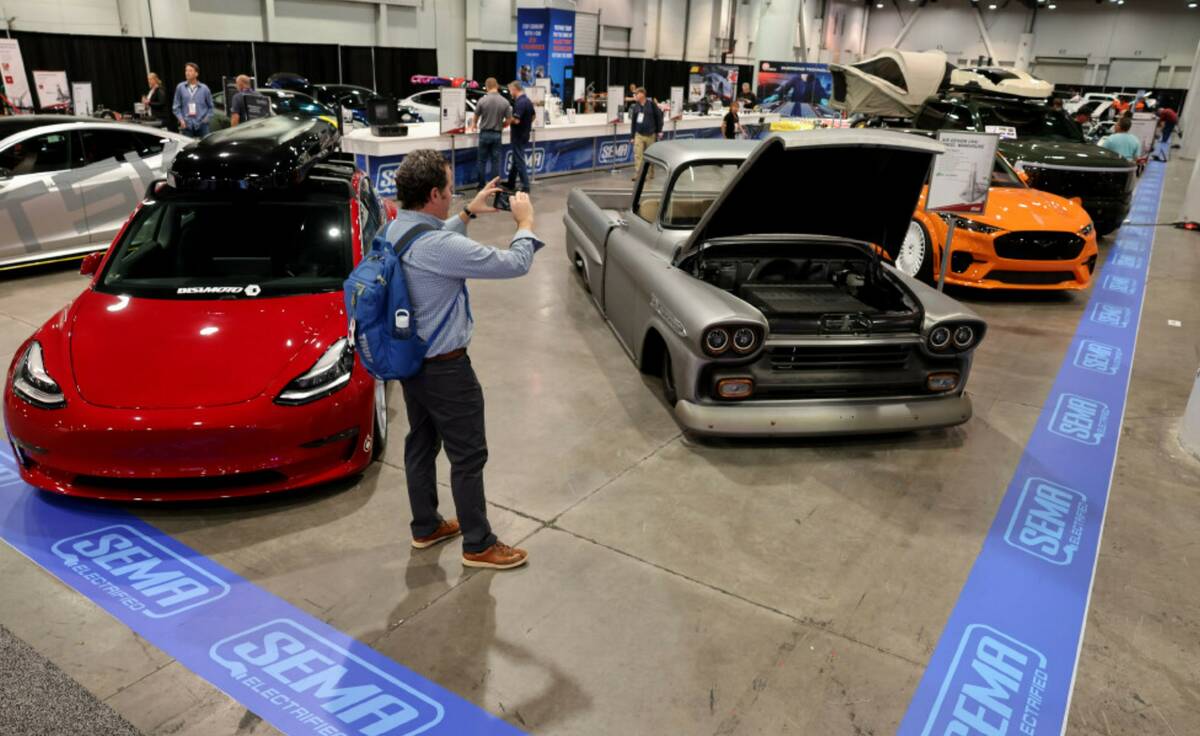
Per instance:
x=445, y=407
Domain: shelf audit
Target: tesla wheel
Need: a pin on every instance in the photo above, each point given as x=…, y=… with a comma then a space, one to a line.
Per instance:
x=381, y=421
x=916, y=254
x=668, y=379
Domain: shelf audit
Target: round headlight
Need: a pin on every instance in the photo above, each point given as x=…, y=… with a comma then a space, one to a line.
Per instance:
x=963, y=337
x=744, y=339
x=716, y=340
x=939, y=338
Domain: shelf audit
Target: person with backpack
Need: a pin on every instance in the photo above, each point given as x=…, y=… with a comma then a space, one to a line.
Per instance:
x=443, y=398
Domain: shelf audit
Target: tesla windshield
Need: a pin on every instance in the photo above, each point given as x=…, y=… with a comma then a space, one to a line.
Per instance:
x=231, y=249
x=1032, y=122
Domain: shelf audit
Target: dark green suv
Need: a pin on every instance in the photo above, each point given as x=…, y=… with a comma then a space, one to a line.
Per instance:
x=1048, y=146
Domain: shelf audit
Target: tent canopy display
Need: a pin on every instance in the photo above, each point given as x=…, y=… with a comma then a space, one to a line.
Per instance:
x=892, y=83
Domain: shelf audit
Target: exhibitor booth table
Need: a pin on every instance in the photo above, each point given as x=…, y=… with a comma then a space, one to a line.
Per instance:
x=588, y=144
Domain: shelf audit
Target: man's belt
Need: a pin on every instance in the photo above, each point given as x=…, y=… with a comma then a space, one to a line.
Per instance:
x=452, y=355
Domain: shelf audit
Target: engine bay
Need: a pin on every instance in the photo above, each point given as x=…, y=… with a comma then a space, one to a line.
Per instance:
x=810, y=287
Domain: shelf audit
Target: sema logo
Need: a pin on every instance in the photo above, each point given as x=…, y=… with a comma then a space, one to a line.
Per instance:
x=1048, y=521
x=385, y=180
x=1111, y=315
x=321, y=685
x=535, y=160
x=615, y=152
x=1120, y=284
x=1080, y=419
x=1098, y=357
x=1126, y=260
x=995, y=685
x=139, y=572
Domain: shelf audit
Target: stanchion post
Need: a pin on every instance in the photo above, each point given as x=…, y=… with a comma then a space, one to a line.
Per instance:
x=614, y=148
x=946, y=250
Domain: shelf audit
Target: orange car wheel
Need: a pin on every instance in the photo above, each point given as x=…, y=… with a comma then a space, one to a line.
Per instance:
x=916, y=253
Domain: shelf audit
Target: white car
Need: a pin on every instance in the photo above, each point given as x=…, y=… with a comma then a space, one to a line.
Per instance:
x=429, y=102
x=67, y=184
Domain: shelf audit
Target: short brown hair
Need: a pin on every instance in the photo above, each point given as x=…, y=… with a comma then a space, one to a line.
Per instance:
x=491, y=83
x=193, y=65
x=640, y=91
x=1124, y=124
x=419, y=173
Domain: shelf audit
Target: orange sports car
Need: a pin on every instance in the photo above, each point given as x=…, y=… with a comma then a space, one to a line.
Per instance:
x=1026, y=239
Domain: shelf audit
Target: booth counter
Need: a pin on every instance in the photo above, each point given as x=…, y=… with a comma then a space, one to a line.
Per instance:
x=584, y=145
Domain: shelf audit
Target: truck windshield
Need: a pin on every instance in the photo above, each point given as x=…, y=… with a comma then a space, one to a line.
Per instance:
x=1031, y=122
x=180, y=250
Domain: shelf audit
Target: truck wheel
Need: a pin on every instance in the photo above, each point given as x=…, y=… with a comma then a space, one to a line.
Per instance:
x=668, y=379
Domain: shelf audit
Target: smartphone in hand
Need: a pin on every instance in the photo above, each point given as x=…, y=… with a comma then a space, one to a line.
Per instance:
x=501, y=201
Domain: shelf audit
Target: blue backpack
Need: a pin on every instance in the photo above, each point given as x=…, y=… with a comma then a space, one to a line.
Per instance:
x=383, y=327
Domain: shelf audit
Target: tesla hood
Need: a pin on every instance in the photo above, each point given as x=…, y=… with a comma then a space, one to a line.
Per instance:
x=856, y=184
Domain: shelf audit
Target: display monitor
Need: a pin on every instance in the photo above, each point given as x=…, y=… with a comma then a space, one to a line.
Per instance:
x=382, y=111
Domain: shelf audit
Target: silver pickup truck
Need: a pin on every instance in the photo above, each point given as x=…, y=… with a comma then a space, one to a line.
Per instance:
x=743, y=273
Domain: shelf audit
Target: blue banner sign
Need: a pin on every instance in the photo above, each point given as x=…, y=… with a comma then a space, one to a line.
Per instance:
x=545, y=47
x=1005, y=663
x=296, y=672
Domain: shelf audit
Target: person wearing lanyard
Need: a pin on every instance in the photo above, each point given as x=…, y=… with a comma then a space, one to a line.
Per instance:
x=193, y=103
x=647, y=121
x=731, y=126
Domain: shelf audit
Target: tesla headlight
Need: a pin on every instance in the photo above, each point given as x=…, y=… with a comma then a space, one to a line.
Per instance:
x=327, y=375
x=1087, y=229
x=33, y=383
x=964, y=223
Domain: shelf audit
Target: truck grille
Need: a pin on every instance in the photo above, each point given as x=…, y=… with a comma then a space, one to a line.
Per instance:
x=805, y=358
x=1080, y=182
x=1039, y=246
x=1032, y=278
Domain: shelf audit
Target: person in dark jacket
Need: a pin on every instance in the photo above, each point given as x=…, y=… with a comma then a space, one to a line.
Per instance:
x=646, y=122
x=156, y=102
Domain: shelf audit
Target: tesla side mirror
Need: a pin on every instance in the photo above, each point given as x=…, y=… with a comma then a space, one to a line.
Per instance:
x=91, y=263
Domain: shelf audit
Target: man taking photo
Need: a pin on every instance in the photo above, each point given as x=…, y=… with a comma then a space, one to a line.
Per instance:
x=444, y=400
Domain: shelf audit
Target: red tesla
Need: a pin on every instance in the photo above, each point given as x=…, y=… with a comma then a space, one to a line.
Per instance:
x=208, y=358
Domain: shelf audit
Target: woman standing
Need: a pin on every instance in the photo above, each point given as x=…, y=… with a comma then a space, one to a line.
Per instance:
x=156, y=100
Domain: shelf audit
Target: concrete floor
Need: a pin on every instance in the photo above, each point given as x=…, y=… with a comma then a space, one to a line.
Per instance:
x=679, y=587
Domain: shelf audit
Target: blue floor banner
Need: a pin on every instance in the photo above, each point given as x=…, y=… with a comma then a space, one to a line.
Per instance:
x=1006, y=661
x=296, y=672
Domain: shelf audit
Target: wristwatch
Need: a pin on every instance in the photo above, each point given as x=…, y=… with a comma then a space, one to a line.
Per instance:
x=467, y=211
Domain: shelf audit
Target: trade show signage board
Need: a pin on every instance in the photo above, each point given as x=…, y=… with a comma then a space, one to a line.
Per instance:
x=713, y=80
x=795, y=89
x=81, y=96
x=615, y=103
x=12, y=74
x=454, y=110
x=962, y=174
x=1006, y=660
x=296, y=672
x=676, y=103
x=52, y=88
x=542, y=157
x=545, y=46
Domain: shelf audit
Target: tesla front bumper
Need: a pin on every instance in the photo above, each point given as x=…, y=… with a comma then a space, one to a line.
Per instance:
x=245, y=449
x=815, y=418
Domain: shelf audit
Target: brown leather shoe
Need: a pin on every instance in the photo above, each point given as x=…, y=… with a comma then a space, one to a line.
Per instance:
x=498, y=557
x=448, y=528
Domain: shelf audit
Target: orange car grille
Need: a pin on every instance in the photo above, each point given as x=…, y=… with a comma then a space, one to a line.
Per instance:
x=1039, y=246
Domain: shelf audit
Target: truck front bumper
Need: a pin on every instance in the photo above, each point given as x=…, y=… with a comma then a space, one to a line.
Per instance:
x=805, y=418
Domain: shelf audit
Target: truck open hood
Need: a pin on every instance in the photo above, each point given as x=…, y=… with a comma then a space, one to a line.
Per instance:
x=855, y=184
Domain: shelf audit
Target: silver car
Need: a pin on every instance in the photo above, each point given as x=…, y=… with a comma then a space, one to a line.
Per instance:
x=744, y=273
x=68, y=184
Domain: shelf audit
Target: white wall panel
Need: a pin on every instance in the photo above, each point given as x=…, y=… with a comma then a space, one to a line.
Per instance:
x=325, y=21
x=237, y=20
x=411, y=28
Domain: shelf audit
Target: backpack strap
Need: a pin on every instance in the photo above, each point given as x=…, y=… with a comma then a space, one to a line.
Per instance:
x=407, y=239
